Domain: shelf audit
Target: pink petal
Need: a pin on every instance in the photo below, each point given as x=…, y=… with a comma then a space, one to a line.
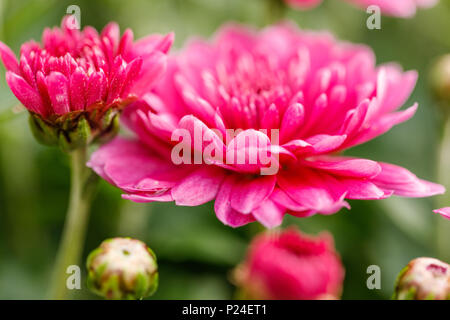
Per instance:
x=445, y=212
x=280, y=197
x=143, y=198
x=117, y=79
x=223, y=209
x=154, y=42
x=250, y=151
x=132, y=167
x=311, y=190
x=198, y=106
x=248, y=194
x=199, y=187
x=27, y=95
x=126, y=43
x=399, y=86
x=9, y=58
x=78, y=86
x=361, y=190
x=292, y=121
x=348, y=167
x=271, y=118
x=96, y=88
x=382, y=125
x=112, y=32
x=404, y=183
x=269, y=214
x=324, y=143
x=152, y=69
x=355, y=118
x=58, y=91
x=201, y=136
x=132, y=71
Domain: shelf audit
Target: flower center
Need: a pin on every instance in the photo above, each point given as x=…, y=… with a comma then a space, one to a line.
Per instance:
x=253, y=84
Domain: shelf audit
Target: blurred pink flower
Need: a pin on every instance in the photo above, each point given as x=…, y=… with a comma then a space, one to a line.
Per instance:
x=291, y=266
x=303, y=4
x=75, y=71
x=397, y=8
x=445, y=212
x=323, y=96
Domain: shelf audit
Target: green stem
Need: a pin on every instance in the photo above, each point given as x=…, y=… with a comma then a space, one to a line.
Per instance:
x=443, y=225
x=72, y=243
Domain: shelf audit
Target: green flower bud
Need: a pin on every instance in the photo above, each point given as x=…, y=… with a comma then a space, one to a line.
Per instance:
x=122, y=268
x=423, y=279
x=440, y=80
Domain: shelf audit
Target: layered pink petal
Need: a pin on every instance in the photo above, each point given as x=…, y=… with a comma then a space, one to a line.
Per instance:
x=223, y=209
x=132, y=167
x=269, y=214
x=199, y=187
x=58, y=91
x=249, y=101
x=248, y=194
x=402, y=182
x=445, y=212
x=27, y=95
x=9, y=58
x=312, y=190
x=347, y=167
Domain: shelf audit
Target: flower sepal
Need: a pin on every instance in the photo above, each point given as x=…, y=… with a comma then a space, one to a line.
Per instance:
x=75, y=129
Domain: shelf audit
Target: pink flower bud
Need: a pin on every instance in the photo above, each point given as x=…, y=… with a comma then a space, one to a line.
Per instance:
x=291, y=265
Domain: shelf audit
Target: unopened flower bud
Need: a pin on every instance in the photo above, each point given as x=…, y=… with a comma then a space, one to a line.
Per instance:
x=122, y=268
x=424, y=279
x=290, y=265
x=76, y=82
x=440, y=80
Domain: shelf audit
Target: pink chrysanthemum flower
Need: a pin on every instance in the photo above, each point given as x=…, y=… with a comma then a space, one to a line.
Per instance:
x=74, y=74
x=444, y=212
x=322, y=97
x=291, y=266
x=397, y=8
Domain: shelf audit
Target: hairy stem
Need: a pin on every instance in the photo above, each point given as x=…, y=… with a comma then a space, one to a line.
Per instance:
x=83, y=183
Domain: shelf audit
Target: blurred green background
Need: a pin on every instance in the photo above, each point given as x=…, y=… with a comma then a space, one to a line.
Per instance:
x=196, y=252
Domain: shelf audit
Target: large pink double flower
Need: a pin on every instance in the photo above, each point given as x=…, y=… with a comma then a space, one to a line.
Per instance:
x=291, y=265
x=397, y=8
x=323, y=96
